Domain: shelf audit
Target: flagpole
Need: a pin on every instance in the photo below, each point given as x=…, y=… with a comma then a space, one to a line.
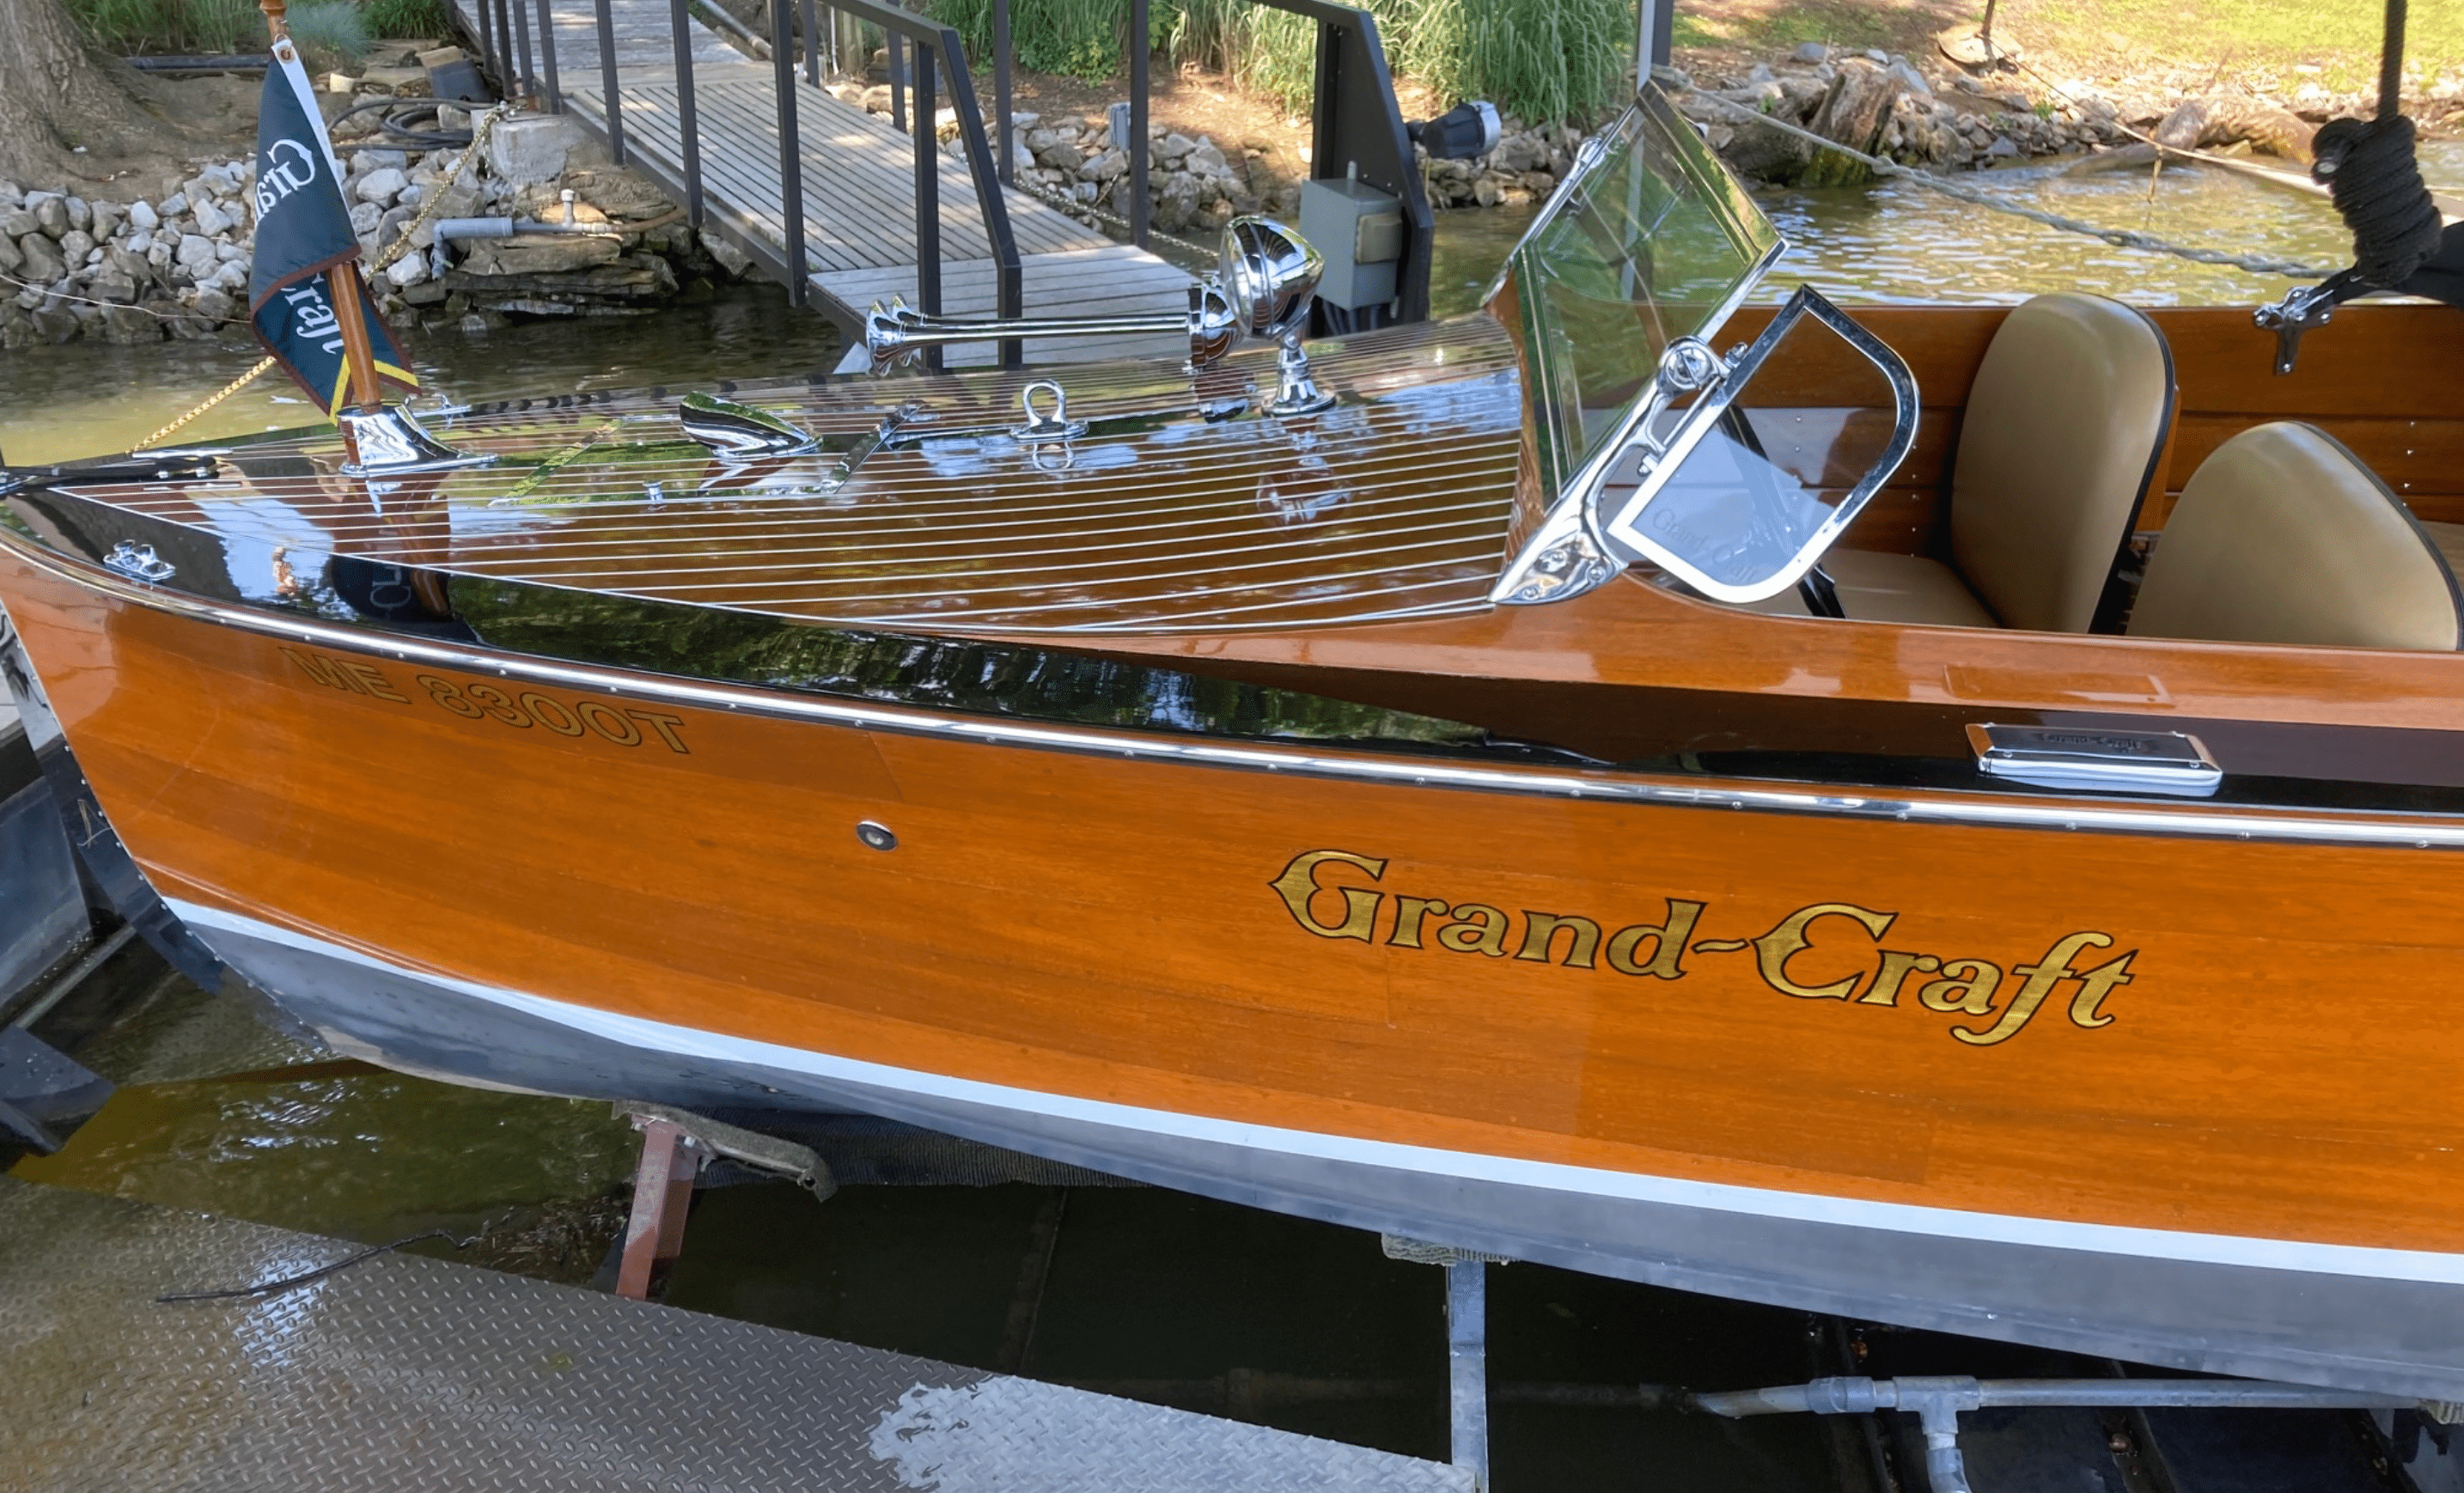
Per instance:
x=343, y=280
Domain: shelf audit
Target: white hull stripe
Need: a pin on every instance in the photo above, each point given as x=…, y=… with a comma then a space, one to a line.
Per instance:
x=659, y=1037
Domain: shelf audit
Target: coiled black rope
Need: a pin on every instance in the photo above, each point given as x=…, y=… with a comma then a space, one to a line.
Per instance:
x=2369, y=172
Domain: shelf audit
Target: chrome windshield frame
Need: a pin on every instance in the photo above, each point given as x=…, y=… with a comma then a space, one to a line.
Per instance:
x=1623, y=529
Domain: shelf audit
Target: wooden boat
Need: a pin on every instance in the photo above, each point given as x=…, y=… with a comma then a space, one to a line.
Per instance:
x=1385, y=810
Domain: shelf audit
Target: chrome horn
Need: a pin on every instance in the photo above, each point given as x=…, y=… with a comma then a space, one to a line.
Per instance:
x=1271, y=274
x=897, y=332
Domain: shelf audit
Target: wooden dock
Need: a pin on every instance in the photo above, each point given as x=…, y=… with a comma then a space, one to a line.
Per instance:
x=857, y=172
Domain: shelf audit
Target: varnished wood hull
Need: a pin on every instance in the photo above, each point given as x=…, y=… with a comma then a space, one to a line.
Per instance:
x=2141, y=1079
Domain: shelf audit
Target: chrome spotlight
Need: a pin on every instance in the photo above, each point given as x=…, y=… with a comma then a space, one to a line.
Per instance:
x=1270, y=275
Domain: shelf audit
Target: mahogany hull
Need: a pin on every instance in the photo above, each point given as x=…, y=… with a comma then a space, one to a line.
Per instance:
x=2170, y=1084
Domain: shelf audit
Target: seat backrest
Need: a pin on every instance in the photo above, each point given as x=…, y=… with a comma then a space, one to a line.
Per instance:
x=2064, y=424
x=2283, y=536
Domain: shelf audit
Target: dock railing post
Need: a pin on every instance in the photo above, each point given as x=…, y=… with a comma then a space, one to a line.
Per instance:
x=928, y=198
x=1137, y=141
x=791, y=154
x=1005, y=155
x=547, y=57
x=487, y=38
x=812, y=45
x=897, y=46
x=609, y=93
x=687, y=125
x=1010, y=283
x=522, y=64
x=1467, y=1365
x=507, y=69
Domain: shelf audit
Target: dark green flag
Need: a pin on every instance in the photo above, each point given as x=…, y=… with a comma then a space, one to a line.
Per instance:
x=303, y=228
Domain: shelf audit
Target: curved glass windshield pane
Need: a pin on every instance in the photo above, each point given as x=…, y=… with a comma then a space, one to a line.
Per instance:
x=1650, y=240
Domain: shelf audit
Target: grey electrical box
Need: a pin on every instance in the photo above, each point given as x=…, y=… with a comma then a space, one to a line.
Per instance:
x=1358, y=231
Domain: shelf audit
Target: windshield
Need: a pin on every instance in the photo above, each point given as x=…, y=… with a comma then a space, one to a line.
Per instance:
x=1650, y=240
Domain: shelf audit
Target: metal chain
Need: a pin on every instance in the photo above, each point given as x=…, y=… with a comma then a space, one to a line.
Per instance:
x=430, y=206
x=2121, y=238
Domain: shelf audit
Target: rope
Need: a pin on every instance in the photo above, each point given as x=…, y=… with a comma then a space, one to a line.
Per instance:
x=429, y=208
x=2120, y=238
x=2370, y=172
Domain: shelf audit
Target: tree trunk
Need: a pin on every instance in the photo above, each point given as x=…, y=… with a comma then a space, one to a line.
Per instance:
x=60, y=93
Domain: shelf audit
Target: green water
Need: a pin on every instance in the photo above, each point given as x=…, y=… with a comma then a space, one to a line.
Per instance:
x=1145, y=1294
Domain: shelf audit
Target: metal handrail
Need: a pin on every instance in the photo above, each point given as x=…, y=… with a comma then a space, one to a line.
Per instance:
x=610, y=95
x=1326, y=154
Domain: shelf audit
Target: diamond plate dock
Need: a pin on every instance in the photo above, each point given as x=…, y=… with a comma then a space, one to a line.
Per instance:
x=407, y=1372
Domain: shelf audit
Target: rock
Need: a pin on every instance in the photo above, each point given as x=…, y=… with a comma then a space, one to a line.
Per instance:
x=1173, y=147
x=11, y=195
x=365, y=218
x=1060, y=155
x=159, y=256
x=215, y=305
x=196, y=255
x=53, y=326
x=1853, y=113
x=113, y=286
x=142, y=216
x=385, y=184
x=106, y=222
x=406, y=271
x=1107, y=166
x=16, y=332
x=1487, y=192
x=211, y=220
x=2003, y=148
x=20, y=223
x=1207, y=161
x=43, y=261
x=530, y=148
x=230, y=252
x=11, y=258
x=1909, y=77
x=130, y=263
x=1810, y=51
x=1176, y=201
x=734, y=260
x=232, y=277
x=2225, y=118
x=52, y=214
x=75, y=246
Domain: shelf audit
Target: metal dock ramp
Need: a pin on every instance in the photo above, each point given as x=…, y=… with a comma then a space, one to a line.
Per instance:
x=849, y=230
x=404, y=1373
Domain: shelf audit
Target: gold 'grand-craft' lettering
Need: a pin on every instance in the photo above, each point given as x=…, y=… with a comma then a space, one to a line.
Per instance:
x=1339, y=894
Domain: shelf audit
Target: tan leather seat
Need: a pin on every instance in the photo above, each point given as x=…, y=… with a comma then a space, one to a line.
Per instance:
x=2064, y=422
x=2283, y=536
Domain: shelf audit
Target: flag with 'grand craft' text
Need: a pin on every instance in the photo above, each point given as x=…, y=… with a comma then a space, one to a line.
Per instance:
x=303, y=230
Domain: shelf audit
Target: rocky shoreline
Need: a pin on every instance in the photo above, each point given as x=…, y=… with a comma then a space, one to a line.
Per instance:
x=600, y=241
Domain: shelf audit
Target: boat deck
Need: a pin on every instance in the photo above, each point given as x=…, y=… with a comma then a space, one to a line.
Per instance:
x=404, y=1371
x=1181, y=508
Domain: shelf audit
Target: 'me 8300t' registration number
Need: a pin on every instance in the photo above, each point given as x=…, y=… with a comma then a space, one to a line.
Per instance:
x=578, y=718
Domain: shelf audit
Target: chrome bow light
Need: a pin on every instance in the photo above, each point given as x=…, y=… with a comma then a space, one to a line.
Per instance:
x=1270, y=273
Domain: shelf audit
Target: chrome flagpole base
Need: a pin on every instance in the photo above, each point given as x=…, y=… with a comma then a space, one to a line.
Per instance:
x=390, y=441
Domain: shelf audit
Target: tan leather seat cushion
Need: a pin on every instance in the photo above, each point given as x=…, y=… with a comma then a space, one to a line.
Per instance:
x=2063, y=424
x=2283, y=536
x=1878, y=586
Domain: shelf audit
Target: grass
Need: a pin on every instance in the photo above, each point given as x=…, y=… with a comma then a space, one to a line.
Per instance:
x=2276, y=43
x=422, y=19
x=331, y=32
x=1539, y=59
